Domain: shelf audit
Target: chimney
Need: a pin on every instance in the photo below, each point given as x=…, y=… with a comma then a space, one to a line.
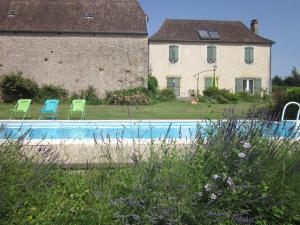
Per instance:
x=254, y=26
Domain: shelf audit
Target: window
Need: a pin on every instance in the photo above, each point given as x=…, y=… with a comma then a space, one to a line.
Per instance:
x=248, y=85
x=89, y=15
x=174, y=84
x=173, y=54
x=249, y=55
x=209, y=34
x=12, y=13
x=207, y=82
x=211, y=54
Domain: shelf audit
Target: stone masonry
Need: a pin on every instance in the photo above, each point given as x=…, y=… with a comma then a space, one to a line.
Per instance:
x=76, y=61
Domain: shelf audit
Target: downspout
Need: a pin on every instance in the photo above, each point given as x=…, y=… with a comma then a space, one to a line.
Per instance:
x=270, y=69
x=148, y=45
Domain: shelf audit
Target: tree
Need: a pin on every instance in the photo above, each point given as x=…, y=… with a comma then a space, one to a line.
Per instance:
x=292, y=80
x=277, y=81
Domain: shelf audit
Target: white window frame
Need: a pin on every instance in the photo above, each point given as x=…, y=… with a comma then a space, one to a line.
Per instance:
x=248, y=86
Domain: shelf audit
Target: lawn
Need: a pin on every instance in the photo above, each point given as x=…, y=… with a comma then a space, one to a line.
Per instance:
x=166, y=110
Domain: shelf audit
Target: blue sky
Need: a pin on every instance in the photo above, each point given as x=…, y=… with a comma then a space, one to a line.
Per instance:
x=279, y=21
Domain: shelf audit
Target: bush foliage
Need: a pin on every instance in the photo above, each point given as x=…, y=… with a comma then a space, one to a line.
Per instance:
x=14, y=86
x=283, y=95
x=134, y=96
x=152, y=83
x=89, y=95
x=53, y=92
x=230, y=173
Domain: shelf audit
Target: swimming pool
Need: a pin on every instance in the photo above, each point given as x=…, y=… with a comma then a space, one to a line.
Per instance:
x=128, y=130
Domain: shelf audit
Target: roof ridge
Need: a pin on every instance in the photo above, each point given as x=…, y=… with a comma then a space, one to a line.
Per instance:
x=205, y=20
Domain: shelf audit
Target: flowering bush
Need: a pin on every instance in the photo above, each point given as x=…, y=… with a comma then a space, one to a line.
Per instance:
x=136, y=96
x=247, y=177
x=231, y=173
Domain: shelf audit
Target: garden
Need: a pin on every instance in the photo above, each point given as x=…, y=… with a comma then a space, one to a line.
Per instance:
x=142, y=103
x=233, y=172
x=226, y=175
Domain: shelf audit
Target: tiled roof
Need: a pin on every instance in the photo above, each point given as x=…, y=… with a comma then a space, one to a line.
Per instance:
x=109, y=16
x=187, y=31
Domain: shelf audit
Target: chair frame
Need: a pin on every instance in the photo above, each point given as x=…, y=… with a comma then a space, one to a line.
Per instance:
x=15, y=112
x=82, y=112
x=55, y=114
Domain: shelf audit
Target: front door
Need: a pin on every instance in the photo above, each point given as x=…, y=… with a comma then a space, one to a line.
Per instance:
x=174, y=84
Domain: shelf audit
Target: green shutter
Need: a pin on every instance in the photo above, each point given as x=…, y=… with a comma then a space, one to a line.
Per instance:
x=247, y=59
x=176, y=54
x=173, y=53
x=249, y=55
x=238, y=85
x=207, y=82
x=257, y=86
x=211, y=54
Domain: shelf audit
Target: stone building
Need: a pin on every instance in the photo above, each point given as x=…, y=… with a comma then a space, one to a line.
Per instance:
x=75, y=43
x=186, y=55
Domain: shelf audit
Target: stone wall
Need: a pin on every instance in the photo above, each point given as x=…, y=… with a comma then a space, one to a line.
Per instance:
x=106, y=62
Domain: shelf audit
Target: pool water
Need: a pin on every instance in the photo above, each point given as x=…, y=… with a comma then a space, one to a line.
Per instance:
x=87, y=130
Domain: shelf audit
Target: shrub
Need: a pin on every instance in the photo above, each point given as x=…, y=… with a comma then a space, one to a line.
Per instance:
x=243, y=176
x=220, y=95
x=164, y=95
x=134, y=96
x=53, y=92
x=283, y=95
x=14, y=87
x=152, y=83
x=230, y=173
x=89, y=95
x=247, y=97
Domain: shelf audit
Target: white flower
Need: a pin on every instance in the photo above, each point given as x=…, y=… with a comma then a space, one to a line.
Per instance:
x=247, y=145
x=216, y=177
x=199, y=194
x=242, y=155
x=207, y=187
x=213, y=196
x=230, y=181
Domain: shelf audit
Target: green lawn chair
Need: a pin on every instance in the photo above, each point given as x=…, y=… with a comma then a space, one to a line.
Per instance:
x=77, y=106
x=22, y=108
x=50, y=107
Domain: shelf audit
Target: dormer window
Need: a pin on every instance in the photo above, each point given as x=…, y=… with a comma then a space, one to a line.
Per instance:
x=89, y=15
x=12, y=13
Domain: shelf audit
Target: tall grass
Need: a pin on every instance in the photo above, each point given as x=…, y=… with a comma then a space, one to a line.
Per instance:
x=231, y=173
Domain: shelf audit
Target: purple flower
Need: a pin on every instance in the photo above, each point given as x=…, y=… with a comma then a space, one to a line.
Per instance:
x=247, y=145
x=230, y=181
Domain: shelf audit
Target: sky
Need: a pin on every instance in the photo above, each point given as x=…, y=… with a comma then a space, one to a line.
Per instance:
x=279, y=20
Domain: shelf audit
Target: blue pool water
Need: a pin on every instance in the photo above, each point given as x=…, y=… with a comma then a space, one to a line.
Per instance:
x=123, y=129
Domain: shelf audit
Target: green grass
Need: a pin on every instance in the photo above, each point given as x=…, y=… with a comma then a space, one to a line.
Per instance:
x=166, y=110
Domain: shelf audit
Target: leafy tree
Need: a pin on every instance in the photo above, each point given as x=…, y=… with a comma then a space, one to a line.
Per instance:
x=277, y=81
x=292, y=80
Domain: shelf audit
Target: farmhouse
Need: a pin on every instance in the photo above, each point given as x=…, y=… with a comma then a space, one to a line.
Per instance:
x=74, y=43
x=188, y=55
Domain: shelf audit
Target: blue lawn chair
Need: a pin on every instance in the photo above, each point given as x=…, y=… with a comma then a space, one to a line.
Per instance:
x=50, y=107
